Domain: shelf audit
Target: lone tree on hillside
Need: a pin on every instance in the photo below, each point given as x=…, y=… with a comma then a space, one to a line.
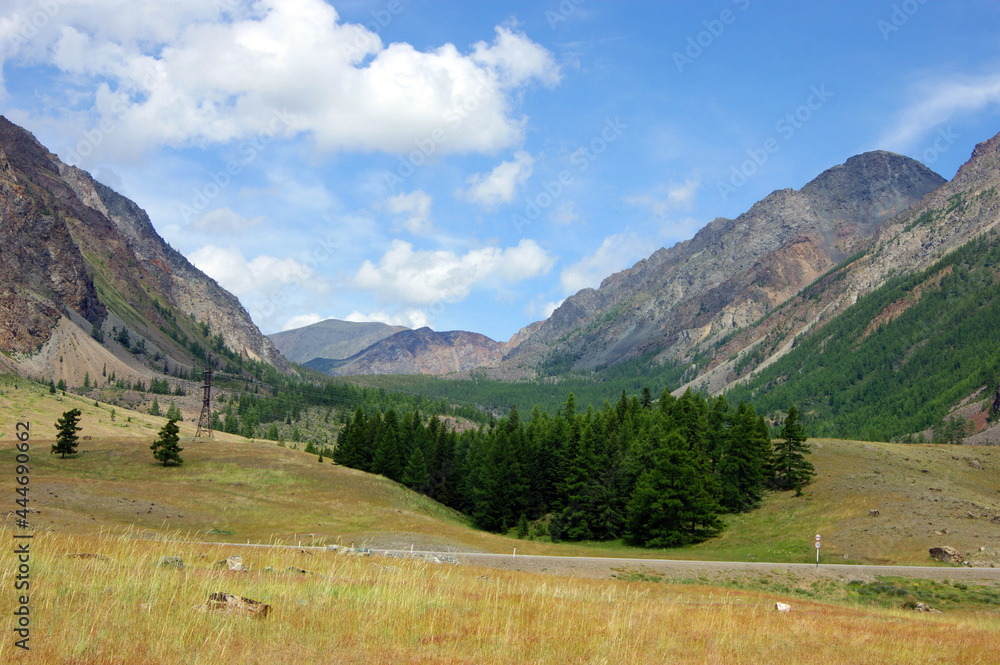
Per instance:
x=791, y=469
x=66, y=429
x=166, y=448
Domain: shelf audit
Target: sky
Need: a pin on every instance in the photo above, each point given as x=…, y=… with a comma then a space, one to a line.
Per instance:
x=469, y=165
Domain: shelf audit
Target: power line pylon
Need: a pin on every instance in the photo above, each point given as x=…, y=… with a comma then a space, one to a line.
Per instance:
x=205, y=419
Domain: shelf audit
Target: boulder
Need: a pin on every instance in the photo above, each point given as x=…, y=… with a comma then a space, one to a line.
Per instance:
x=233, y=563
x=171, y=562
x=227, y=603
x=946, y=554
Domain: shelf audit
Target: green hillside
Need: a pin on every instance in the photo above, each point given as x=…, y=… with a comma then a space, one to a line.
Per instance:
x=900, y=359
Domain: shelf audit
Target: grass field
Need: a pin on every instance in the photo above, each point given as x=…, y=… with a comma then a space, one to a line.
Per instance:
x=126, y=608
x=113, y=499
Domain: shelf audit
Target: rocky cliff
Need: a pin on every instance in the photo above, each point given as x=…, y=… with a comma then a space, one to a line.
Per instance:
x=732, y=272
x=80, y=263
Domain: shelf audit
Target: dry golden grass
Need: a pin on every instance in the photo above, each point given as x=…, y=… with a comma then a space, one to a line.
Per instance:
x=376, y=610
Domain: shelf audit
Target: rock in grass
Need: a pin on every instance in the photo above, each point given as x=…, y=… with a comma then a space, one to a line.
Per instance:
x=946, y=554
x=171, y=562
x=227, y=603
x=233, y=563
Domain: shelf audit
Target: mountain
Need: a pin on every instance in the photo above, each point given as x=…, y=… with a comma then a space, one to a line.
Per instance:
x=330, y=339
x=422, y=351
x=88, y=288
x=730, y=274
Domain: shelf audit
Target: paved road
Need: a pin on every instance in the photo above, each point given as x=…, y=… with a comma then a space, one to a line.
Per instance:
x=601, y=567
x=605, y=567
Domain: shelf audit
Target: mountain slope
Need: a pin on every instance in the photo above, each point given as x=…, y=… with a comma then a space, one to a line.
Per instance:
x=80, y=264
x=732, y=272
x=332, y=339
x=422, y=351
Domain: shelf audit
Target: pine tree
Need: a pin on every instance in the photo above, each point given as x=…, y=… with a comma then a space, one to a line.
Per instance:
x=66, y=429
x=154, y=409
x=672, y=503
x=791, y=469
x=166, y=448
x=742, y=470
x=415, y=475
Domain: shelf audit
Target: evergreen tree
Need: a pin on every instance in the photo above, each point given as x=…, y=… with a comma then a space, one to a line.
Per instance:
x=742, y=470
x=166, y=447
x=791, y=469
x=66, y=429
x=154, y=408
x=672, y=503
x=415, y=475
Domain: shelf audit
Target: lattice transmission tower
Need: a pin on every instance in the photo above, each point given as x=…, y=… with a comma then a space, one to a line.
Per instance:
x=205, y=419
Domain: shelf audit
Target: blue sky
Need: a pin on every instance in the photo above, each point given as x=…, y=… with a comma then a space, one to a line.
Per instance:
x=469, y=165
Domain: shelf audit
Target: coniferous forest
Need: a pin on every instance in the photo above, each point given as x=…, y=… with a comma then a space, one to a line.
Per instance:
x=653, y=473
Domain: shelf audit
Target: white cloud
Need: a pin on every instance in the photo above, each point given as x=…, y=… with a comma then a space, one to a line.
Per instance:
x=936, y=102
x=616, y=253
x=231, y=269
x=665, y=197
x=564, y=214
x=415, y=208
x=421, y=277
x=411, y=318
x=193, y=73
x=500, y=184
x=223, y=221
x=302, y=320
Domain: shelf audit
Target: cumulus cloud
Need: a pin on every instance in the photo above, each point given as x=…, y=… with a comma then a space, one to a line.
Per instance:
x=302, y=320
x=500, y=185
x=231, y=269
x=193, y=73
x=935, y=102
x=421, y=277
x=223, y=221
x=666, y=197
x=411, y=318
x=414, y=209
x=617, y=252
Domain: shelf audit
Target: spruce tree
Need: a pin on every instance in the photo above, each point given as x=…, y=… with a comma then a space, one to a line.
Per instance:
x=791, y=469
x=742, y=470
x=166, y=447
x=66, y=429
x=154, y=409
x=415, y=475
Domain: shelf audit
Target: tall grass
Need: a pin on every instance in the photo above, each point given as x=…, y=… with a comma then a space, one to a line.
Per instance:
x=128, y=609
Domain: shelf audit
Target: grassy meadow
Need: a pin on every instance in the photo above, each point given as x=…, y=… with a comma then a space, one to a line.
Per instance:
x=115, y=501
x=126, y=608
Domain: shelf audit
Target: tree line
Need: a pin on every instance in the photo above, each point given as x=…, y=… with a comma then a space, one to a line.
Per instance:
x=654, y=473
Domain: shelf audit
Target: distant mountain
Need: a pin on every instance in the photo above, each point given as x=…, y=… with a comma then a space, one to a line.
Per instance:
x=331, y=339
x=88, y=288
x=729, y=275
x=422, y=351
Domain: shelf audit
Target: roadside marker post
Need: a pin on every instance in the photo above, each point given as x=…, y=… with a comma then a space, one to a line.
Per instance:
x=817, y=550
